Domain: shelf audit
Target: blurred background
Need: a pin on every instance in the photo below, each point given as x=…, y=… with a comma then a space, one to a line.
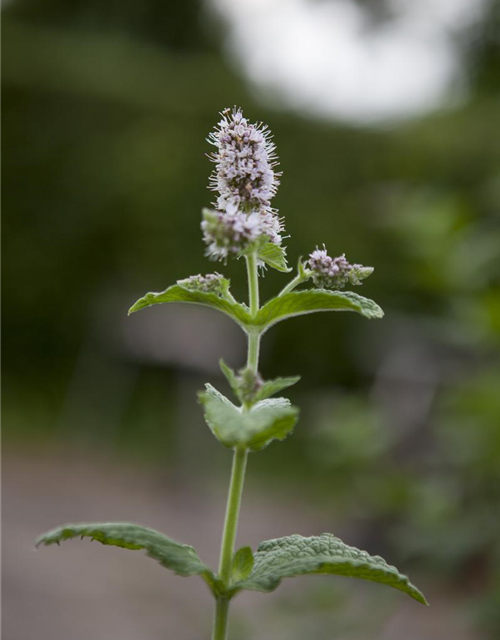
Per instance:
x=386, y=118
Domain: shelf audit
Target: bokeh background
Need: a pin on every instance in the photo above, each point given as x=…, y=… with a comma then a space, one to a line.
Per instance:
x=386, y=118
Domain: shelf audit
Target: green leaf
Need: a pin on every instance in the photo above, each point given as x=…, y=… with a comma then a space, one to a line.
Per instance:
x=302, y=271
x=298, y=303
x=274, y=256
x=230, y=376
x=242, y=564
x=177, y=293
x=270, y=387
x=181, y=558
x=250, y=388
x=255, y=428
x=245, y=384
x=239, y=385
x=296, y=555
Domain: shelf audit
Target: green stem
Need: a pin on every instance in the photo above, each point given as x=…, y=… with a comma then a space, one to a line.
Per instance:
x=253, y=351
x=292, y=284
x=232, y=513
x=253, y=284
x=238, y=470
x=253, y=297
x=220, y=620
x=228, y=538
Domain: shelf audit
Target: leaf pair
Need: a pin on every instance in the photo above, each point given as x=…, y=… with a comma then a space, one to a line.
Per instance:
x=262, y=571
x=290, y=305
x=249, y=387
x=253, y=428
x=259, y=420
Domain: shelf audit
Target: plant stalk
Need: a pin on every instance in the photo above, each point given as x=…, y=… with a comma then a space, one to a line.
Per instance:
x=299, y=279
x=253, y=283
x=238, y=470
x=228, y=538
x=220, y=620
x=232, y=513
x=253, y=351
x=253, y=298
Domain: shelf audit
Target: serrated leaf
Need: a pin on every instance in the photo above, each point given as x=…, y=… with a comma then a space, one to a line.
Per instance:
x=325, y=554
x=271, y=387
x=242, y=564
x=180, y=558
x=274, y=256
x=177, y=293
x=255, y=428
x=298, y=303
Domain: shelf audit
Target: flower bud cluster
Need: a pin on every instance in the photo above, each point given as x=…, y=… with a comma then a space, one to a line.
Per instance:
x=245, y=179
x=227, y=235
x=210, y=283
x=249, y=383
x=335, y=273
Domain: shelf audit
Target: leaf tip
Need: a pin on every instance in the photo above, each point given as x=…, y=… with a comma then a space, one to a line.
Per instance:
x=135, y=307
x=419, y=597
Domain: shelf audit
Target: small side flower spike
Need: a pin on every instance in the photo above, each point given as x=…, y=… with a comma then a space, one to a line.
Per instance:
x=335, y=273
x=210, y=283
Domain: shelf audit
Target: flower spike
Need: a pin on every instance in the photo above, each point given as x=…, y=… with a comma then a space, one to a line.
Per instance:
x=335, y=273
x=246, y=181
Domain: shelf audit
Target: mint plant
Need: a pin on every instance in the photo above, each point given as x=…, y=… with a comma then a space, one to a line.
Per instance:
x=243, y=225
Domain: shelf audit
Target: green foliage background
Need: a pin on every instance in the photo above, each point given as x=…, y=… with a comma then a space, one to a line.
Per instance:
x=106, y=107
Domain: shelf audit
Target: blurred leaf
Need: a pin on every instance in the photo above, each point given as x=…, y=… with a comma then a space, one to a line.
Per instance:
x=296, y=555
x=131, y=69
x=349, y=435
x=230, y=376
x=239, y=385
x=254, y=429
x=270, y=387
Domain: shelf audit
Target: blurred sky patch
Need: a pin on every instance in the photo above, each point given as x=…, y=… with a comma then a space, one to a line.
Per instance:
x=355, y=61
